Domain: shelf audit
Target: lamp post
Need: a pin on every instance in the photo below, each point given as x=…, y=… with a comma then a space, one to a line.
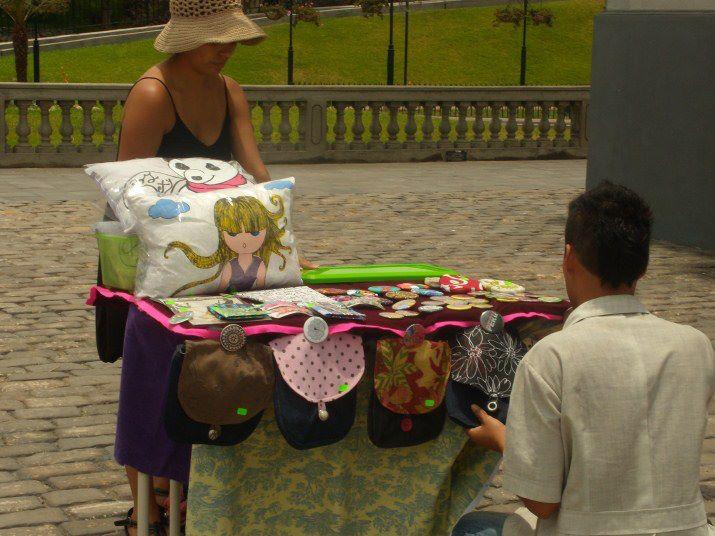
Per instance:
x=522, y=78
x=290, y=45
x=391, y=48
x=407, y=33
x=36, y=53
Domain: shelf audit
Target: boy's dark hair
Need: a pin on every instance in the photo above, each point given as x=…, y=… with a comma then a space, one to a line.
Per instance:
x=609, y=228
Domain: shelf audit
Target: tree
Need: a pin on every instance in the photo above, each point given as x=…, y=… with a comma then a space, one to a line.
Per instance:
x=20, y=11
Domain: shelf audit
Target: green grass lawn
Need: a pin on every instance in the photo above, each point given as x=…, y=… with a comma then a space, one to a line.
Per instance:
x=447, y=47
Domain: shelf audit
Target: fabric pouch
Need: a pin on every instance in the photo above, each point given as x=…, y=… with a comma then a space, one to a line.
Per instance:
x=483, y=369
x=217, y=397
x=314, y=396
x=407, y=403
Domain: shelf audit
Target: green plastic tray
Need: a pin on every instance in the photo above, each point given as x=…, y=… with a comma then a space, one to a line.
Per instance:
x=357, y=273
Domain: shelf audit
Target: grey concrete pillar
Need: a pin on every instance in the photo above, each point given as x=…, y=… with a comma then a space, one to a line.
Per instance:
x=651, y=121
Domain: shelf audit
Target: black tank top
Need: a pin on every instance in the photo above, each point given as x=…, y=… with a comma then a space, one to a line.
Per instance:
x=180, y=142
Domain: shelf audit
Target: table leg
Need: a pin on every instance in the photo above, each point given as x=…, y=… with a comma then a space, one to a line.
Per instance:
x=174, y=508
x=143, y=488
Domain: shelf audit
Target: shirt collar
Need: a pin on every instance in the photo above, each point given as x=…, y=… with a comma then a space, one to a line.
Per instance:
x=621, y=304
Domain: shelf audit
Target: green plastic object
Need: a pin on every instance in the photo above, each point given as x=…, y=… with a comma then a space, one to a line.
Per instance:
x=118, y=256
x=362, y=273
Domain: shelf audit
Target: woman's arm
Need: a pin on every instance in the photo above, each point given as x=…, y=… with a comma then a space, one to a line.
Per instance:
x=148, y=115
x=243, y=139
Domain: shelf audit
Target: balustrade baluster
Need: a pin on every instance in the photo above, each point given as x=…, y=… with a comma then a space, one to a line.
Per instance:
x=544, y=125
x=23, y=127
x=340, y=128
x=445, y=126
x=392, y=127
x=66, y=128
x=358, y=128
x=45, y=145
x=108, y=144
x=266, y=126
x=302, y=111
x=411, y=126
x=478, y=126
x=462, y=126
x=528, y=128
x=375, y=125
x=575, y=116
x=428, y=126
x=87, y=125
x=495, y=125
x=560, y=127
x=511, y=126
x=285, y=127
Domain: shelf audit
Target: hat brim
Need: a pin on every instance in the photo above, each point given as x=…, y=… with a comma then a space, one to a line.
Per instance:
x=182, y=34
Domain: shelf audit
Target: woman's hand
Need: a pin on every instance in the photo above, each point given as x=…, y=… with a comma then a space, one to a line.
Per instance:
x=306, y=264
x=491, y=434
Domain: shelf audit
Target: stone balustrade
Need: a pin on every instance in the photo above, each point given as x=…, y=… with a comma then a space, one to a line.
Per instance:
x=75, y=124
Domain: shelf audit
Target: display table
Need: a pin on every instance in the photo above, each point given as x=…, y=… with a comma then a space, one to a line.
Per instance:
x=263, y=486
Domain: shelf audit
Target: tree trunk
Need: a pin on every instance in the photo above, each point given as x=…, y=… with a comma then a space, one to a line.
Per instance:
x=19, y=43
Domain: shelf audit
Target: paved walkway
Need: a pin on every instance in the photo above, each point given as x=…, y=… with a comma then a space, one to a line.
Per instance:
x=58, y=402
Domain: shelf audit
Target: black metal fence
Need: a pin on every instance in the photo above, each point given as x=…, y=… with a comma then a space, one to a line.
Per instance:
x=95, y=15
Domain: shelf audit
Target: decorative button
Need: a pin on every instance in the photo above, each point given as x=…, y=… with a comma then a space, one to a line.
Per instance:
x=322, y=411
x=491, y=321
x=214, y=432
x=414, y=335
x=492, y=406
x=315, y=330
x=406, y=424
x=233, y=338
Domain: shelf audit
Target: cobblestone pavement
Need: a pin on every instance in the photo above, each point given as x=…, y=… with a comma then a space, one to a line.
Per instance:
x=58, y=402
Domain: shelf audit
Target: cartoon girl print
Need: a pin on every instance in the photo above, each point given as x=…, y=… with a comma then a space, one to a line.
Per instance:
x=248, y=235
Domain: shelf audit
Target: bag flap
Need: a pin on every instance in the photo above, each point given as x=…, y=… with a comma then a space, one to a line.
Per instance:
x=218, y=387
x=411, y=380
x=486, y=360
x=320, y=372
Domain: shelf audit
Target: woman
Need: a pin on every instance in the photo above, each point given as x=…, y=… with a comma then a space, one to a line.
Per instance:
x=181, y=108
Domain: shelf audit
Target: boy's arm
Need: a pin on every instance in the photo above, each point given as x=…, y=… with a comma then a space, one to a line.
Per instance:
x=492, y=435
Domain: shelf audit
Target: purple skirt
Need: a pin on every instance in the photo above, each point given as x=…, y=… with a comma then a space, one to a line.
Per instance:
x=141, y=440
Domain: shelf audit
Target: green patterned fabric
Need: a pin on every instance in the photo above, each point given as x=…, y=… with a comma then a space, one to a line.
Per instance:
x=265, y=487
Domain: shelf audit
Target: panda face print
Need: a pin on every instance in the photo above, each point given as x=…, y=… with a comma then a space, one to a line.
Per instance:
x=203, y=171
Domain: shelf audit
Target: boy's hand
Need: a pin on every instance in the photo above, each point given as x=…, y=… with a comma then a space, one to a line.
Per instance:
x=491, y=434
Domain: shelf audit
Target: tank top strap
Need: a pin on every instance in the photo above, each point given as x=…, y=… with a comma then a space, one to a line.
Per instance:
x=225, y=92
x=168, y=91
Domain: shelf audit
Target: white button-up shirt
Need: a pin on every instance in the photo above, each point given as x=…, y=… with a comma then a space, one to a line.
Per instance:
x=607, y=417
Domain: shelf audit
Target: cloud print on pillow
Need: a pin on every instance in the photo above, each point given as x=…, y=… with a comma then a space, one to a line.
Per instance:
x=167, y=209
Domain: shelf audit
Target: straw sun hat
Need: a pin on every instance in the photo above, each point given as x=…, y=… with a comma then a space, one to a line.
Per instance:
x=196, y=22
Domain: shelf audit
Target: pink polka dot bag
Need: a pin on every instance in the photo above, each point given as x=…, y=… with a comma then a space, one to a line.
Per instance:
x=315, y=391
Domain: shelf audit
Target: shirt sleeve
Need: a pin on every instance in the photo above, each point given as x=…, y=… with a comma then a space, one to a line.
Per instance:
x=534, y=454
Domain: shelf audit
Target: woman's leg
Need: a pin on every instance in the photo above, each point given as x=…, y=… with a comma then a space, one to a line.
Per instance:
x=480, y=524
x=154, y=512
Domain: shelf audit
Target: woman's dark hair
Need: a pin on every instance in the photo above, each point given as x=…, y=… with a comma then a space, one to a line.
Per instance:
x=609, y=228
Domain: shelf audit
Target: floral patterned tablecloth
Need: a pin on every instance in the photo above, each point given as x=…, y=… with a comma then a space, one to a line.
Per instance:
x=264, y=487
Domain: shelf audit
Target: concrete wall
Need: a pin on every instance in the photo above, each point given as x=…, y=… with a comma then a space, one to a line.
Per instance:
x=652, y=113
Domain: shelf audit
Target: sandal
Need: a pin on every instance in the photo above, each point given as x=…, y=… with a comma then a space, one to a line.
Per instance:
x=155, y=529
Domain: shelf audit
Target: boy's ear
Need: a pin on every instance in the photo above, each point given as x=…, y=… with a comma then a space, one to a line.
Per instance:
x=569, y=257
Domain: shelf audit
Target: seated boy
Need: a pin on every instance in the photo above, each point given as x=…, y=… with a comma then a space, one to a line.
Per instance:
x=607, y=416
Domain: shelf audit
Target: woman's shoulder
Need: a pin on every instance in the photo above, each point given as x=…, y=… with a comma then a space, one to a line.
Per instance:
x=150, y=88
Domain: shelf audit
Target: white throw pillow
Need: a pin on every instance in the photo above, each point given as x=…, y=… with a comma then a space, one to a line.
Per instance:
x=184, y=176
x=238, y=238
